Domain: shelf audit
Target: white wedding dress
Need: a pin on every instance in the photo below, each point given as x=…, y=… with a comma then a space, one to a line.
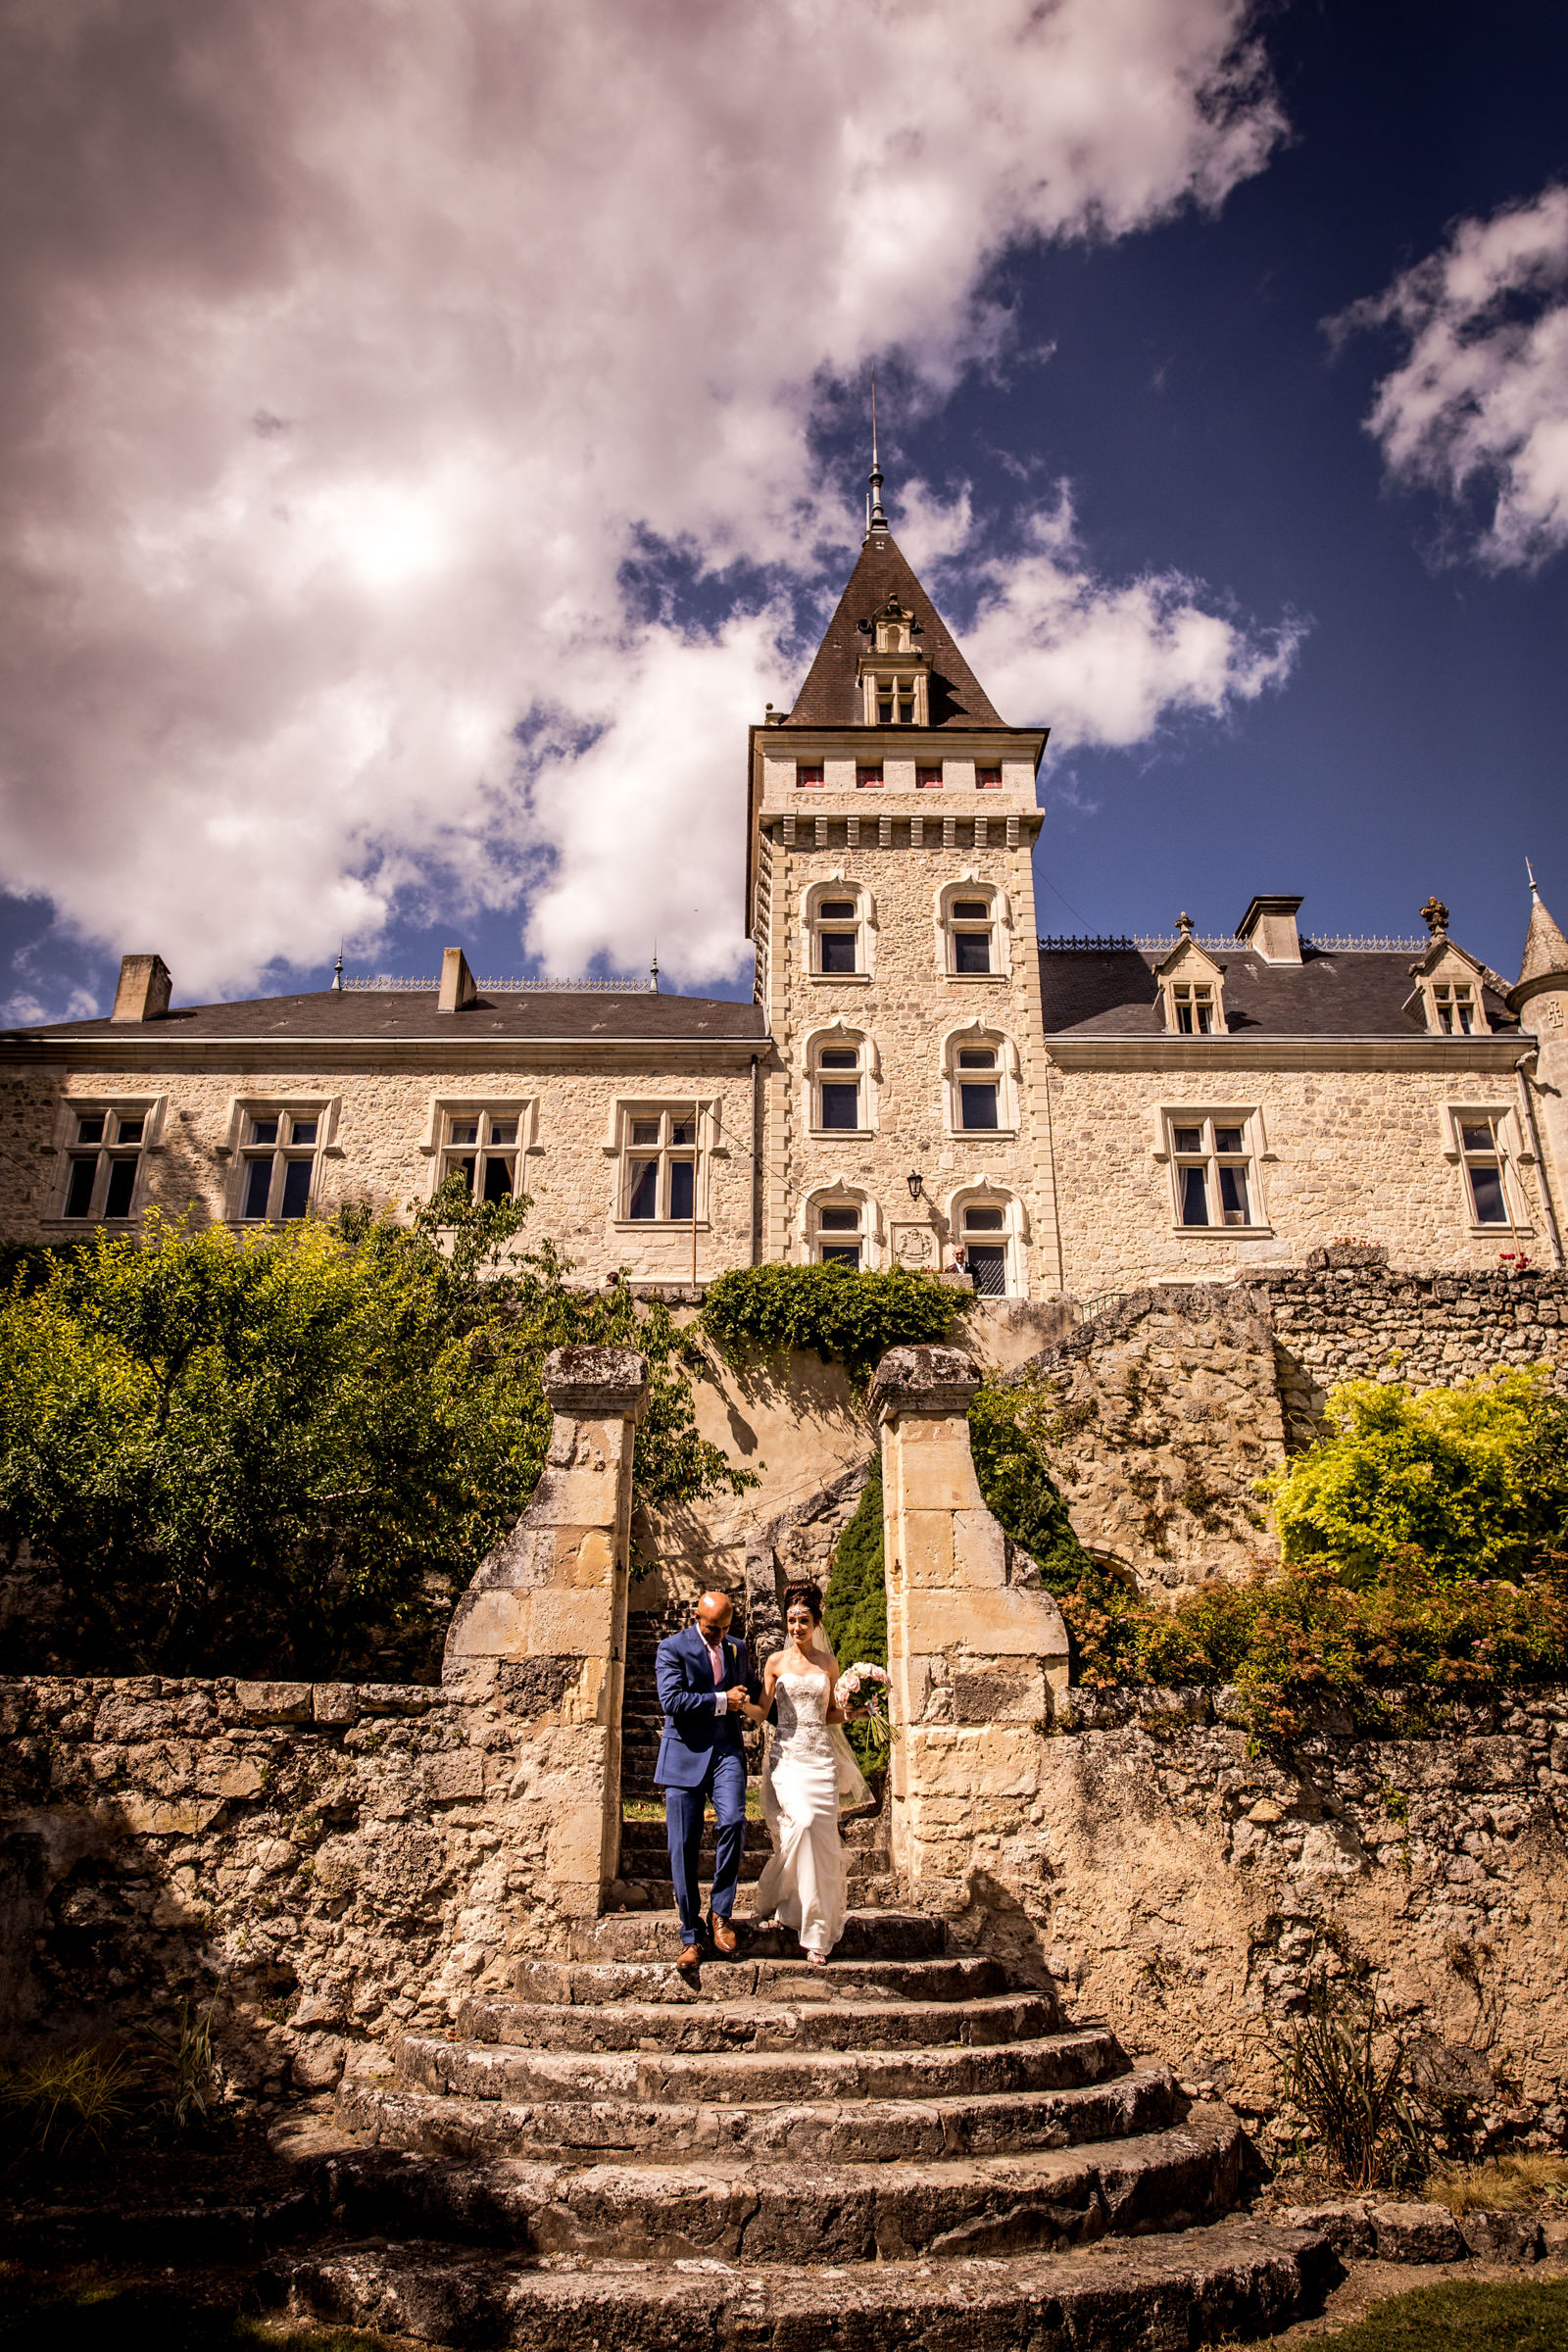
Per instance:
x=805, y=1885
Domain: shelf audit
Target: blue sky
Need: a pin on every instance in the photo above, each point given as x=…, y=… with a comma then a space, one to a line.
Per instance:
x=399, y=554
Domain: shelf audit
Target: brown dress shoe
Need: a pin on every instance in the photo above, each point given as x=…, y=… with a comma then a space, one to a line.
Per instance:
x=723, y=1935
x=691, y=1959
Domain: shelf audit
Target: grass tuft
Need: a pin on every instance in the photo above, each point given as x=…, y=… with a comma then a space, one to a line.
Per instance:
x=1506, y=2184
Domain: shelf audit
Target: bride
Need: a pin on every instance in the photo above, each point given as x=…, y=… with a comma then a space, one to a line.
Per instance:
x=809, y=1766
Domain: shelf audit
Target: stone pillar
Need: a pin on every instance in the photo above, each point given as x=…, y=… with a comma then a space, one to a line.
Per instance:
x=539, y=1638
x=977, y=1650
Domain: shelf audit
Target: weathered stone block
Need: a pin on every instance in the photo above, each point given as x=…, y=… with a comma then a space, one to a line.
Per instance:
x=1502, y=2236
x=273, y=1703
x=1416, y=2233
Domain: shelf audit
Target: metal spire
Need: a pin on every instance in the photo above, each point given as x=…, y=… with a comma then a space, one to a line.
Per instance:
x=1531, y=871
x=337, y=968
x=876, y=519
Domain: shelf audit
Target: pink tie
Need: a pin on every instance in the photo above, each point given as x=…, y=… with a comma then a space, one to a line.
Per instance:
x=716, y=1652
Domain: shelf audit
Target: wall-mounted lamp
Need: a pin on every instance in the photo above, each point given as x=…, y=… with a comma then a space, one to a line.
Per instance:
x=914, y=1183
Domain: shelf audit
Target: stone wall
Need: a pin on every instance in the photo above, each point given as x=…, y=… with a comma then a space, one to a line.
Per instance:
x=1188, y=1891
x=324, y=1864
x=1157, y=1418
x=1345, y=1316
x=1159, y=1413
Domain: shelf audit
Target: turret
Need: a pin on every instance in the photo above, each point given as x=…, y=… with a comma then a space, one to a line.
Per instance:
x=1541, y=999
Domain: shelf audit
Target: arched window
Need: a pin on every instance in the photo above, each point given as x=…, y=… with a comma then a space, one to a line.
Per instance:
x=840, y=1228
x=838, y=924
x=972, y=919
x=839, y=1083
x=981, y=1077
x=986, y=1240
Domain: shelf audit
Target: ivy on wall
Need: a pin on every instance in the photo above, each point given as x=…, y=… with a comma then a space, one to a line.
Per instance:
x=834, y=1312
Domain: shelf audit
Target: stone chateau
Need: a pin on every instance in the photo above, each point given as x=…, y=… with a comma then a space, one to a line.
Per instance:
x=920, y=1079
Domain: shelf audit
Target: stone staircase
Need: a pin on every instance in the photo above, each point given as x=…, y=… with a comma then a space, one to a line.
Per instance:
x=911, y=2147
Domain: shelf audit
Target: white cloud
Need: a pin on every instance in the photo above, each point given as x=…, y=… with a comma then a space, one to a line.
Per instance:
x=350, y=350
x=1109, y=662
x=1480, y=403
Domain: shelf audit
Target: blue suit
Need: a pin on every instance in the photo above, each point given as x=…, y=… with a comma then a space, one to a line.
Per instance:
x=701, y=1756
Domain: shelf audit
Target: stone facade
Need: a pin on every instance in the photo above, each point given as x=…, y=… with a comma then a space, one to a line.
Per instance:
x=1349, y=1147
x=919, y=1080
x=379, y=1117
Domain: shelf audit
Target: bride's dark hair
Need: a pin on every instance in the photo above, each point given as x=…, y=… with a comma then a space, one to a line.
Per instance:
x=808, y=1597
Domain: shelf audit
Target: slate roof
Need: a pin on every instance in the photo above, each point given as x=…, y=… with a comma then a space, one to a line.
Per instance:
x=1347, y=992
x=830, y=696
x=327, y=1014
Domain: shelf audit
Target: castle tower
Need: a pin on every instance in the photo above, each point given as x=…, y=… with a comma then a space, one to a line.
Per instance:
x=1541, y=999
x=892, y=815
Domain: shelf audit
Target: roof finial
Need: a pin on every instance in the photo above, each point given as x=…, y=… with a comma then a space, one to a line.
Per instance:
x=653, y=971
x=1531, y=871
x=876, y=519
x=337, y=968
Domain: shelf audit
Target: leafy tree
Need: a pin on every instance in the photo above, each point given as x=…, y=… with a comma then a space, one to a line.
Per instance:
x=289, y=1451
x=1475, y=1476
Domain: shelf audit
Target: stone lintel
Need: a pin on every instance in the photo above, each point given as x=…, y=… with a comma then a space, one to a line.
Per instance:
x=595, y=1384
x=923, y=1380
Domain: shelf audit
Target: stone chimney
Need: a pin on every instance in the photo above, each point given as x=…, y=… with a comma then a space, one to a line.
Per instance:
x=144, y=989
x=1268, y=928
x=459, y=988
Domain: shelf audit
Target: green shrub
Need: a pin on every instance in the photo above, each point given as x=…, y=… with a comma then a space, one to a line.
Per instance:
x=283, y=1452
x=1476, y=1476
x=843, y=1316
x=1292, y=1637
x=1017, y=1486
x=854, y=1613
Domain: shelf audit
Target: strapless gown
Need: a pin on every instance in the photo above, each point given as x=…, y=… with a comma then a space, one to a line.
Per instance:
x=805, y=1885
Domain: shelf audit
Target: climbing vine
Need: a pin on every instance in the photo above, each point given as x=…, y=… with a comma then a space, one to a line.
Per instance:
x=834, y=1312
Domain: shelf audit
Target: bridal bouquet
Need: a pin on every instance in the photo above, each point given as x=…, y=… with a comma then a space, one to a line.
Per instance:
x=867, y=1685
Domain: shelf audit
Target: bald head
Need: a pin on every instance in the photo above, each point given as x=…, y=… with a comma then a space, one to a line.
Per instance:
x=714, y=1613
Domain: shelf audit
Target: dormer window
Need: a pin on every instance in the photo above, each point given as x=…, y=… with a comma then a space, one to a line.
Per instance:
x=893, y=671
x=1453, y=1008
x=1192, y=987
x=1449, y=984
x=1193, y=1008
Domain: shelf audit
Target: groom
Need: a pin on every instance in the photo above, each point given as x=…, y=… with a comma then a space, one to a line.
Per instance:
x=705, y=1688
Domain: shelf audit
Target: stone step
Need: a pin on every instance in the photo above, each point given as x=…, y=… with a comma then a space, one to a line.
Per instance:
x=864, y=1890
x=862, y=1832
x=1238, y=2278
x=655, y=1935
x=719, y=2210
x=650, y=1866
x=895, y=1983
x=855, y=2131
x=481, y=2070
x=722, y=2024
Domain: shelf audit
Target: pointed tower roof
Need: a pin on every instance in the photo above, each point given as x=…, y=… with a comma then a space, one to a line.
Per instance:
x=1546, y=952
x=831, y=696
